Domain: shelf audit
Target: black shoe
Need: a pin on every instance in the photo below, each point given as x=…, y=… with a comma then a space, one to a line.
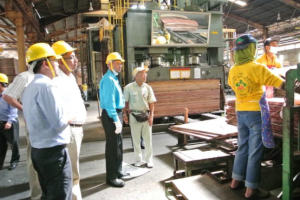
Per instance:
x=122, y=174
x=116, y=182
x=13, y=165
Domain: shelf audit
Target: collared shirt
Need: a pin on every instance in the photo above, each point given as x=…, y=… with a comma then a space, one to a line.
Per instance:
x=21, y=81
x=8, y=113
x=247, y=81
x=71, y=96
x=139, y=97
x=45, y=116
x=111, y=96
x=269, y=62
x=84, y=87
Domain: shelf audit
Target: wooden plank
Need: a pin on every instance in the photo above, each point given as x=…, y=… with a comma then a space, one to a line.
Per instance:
x=195, y=135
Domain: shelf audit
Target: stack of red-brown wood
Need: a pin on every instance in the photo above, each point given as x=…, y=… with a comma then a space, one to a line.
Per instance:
x=207, y=130
x=275, y=105
x=198, y=96
x=9, y=67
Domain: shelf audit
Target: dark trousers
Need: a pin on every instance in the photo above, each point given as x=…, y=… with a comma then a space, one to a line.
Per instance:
x=12, y=136
x=114, y=146
x=54, y=170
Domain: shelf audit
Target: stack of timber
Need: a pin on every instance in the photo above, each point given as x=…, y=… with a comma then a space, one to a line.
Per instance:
x=198, y=96
x=207, y=130
x=275, y=105
x=9, y=67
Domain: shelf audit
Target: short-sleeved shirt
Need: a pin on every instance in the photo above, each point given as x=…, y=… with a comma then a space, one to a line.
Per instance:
x=266, y=60
x=247, y=81
x=84, y=87
x=139, y=97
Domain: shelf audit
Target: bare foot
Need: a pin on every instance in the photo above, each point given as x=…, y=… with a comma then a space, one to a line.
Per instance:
x=234, y=183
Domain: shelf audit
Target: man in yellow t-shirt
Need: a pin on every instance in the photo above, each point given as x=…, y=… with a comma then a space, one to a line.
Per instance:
x=247, y=79
x=269, y=58
x=84, y=88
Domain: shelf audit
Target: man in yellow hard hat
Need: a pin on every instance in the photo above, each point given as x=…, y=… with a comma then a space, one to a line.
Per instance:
x=12, y=95
x=48, y=124
x=139, y=105
x=112, y=102
x=9, y=128
x=71, y=95
x=84, y=88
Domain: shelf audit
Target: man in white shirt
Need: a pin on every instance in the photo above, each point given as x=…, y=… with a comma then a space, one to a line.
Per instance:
x=11, y=96
x=71, y=95
x=48, y=125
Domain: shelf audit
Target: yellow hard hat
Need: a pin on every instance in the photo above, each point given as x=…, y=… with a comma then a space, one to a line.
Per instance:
x=114, y=56
x=3, y=78
x=61, y=47
x=39, y=51
x=161, y=40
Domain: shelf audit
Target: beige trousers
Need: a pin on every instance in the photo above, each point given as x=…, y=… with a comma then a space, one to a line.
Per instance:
x=143, y=129
x=74, y=151
x=34, y=184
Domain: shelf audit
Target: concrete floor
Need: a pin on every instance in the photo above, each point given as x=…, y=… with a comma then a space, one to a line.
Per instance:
x=14, y=184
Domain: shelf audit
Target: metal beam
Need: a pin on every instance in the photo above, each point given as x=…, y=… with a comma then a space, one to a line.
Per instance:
x=28, y=15
x=7, y=27
x=291, y=3
x=65, y=31
x=251, y=23
x=8, y=35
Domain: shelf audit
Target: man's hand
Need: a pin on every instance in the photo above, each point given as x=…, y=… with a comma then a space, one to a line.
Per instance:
x=125, y=119
x=118, y=127
x=7, y=125
x=150, y=120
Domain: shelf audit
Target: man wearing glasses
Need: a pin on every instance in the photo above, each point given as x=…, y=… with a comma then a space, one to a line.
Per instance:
x=112, y=102
x=48, y=124
x=66, y=83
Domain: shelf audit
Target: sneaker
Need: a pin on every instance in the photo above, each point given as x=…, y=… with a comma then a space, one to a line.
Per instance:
x=150, y=165
x=138, y=164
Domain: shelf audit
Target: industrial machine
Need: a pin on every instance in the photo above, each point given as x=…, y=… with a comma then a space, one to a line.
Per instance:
x=181, y=44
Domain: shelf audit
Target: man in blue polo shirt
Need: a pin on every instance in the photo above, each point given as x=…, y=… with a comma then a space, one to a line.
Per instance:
x=112, y=102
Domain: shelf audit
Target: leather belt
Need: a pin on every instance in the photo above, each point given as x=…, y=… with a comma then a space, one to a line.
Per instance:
x=139, y=111
x=76, y=125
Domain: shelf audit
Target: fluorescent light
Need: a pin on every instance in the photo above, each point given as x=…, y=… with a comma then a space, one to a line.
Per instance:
x=134, y=7
x=46, y=30
x=143, y=7
x=241, y=3
x=37, y=13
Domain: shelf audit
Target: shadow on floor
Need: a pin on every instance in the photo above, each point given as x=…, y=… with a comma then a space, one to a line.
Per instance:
x=92, y=185
x=18, y=188
x=88, y=158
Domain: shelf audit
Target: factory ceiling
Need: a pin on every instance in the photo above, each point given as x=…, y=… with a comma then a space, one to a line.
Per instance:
x=51, y=20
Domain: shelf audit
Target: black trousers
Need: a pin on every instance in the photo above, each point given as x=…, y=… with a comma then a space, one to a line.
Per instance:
x=54, y=170
x=12, y=136
x=114, y=146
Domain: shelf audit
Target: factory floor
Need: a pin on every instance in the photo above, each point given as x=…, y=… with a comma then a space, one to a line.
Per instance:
x=14, y=184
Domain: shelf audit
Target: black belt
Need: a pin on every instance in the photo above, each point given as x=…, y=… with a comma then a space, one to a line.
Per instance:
x=119, y=110
x=140, y=111
x=76, y=125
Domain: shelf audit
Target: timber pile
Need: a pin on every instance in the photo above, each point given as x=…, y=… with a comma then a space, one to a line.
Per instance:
x=275, y=105
x=198, y=96
x=207, y=130
x=9, y=67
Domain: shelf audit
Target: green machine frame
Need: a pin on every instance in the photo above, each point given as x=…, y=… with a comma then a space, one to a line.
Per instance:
x=288, y=134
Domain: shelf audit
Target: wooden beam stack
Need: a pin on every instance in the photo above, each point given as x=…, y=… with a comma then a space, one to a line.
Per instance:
x=199, y=96
x=9, y=67
x=275, y=105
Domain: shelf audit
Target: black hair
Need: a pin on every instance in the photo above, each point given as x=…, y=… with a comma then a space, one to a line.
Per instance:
x=3, y=84
x=38, y=66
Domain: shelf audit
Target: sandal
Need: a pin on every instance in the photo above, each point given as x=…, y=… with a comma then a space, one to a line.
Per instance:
x=241, y=185
x=259, y=194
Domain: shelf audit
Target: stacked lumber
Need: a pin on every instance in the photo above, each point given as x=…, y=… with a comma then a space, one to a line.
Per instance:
x=9, y=67
x=207, y=130
x=198, y=96
x=275, y=105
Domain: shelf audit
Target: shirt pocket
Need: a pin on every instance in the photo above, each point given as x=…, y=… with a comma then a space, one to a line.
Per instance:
x=134, y=97
x=145, y=95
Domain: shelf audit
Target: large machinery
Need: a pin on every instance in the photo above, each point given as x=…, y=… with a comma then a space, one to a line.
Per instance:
x=183, y=49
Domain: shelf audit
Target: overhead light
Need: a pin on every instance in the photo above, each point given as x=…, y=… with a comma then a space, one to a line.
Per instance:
x=46, y=30
x=241, y=3
x=91, y=6
x=278, y=17
x=143, y=7
x=134, y=7
x=37, y=13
